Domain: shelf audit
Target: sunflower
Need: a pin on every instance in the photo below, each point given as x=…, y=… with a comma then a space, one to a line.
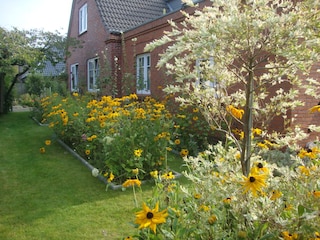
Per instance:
x=254, y=183
x=148, y=218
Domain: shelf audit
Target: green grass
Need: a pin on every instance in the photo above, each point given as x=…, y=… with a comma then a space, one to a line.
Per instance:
x=52, y=195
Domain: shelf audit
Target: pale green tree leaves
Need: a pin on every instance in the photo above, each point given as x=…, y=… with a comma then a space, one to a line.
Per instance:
x=261, y=52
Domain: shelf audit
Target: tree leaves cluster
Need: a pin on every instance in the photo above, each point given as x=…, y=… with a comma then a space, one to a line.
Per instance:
x=262, y=52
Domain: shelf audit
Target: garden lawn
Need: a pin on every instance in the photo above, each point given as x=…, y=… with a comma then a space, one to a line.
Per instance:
x=52, y=195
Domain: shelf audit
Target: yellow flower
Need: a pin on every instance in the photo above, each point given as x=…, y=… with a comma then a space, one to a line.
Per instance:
x=254, y=183
x=205, y=208
x=154, y=174
x=227, y=200
x=314, y=109
x=259, y=167
x=304, y=170
x=138, y=152
x=275, y=195
x=177, y=141
x=195, y=118
x=212, y=219
x=131, y=182
x=42, y=150
x=88, y=152
x=75, y=94
x=167, y=176
x=135, y=171
x=75, y=114
x=316, y=194
x=150, y=218
x=197, y=195
x=237, y=113
x=195, y=110
x=184, y=152
x=47, y=142
x=128, y=238
x=111, y=177
x=288, y=236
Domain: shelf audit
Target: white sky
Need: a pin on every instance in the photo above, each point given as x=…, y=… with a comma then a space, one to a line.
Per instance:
x=47, y=15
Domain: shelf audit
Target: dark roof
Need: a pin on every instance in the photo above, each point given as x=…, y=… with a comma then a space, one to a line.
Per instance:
x=51, y=70
x=122, y=15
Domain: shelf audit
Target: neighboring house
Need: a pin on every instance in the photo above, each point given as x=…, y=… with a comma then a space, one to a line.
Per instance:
x=112, y=59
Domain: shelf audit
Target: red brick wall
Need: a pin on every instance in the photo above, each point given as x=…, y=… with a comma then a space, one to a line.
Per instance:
x=93, y=42
x=144, y=35
x=302, y=115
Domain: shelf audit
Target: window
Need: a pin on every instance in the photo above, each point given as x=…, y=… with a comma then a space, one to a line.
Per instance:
x=83, y=17
x=202, y=67
x=143, y=74
x=74, y=76
x=93, y=74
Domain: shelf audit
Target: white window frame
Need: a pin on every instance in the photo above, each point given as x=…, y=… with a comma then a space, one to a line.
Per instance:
x=143, y=81
x=93, y=71
x=74, y=77
x=83, y=19
x=201, y=81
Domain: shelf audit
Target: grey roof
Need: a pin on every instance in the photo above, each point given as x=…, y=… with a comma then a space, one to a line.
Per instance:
x=51, y=70
x=122, y=15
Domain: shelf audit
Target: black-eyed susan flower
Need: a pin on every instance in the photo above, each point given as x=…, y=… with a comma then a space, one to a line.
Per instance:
x=111, y=177
x=154, y=174
x=48, y=142
x=131, y=182
x=288, y=236
x=42, y=150
x=135, y=171
x=237, y=113
x=315, y=109
x=304, y=170
x=204, y=208
x=212, y=219
x=177, y=142
x=150, y=218
x=128, y=238
x=227, y=200
x=184, y=152
x=197, y=195
x=316, y=194
x=259, y=167
x=275, y=195
x=167, y=176
x=87, y=152
x=138, y=152
x=254, y=183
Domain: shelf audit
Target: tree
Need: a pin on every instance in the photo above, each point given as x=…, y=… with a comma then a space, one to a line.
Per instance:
x=27, y=50
x=248, y=50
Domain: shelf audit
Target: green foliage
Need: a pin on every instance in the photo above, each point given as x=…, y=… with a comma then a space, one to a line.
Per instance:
x=116, y=135
x=251, y=60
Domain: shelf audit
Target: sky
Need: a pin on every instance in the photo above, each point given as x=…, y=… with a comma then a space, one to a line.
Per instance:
x=47, y=15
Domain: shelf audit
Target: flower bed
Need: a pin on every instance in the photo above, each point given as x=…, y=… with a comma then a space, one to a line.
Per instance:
x=114, y=135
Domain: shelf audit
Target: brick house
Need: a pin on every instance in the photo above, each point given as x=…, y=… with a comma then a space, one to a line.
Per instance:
x=112, y=59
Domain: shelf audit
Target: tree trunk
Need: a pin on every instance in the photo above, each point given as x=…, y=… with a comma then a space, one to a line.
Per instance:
x=2, y=92
x=248, y=124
